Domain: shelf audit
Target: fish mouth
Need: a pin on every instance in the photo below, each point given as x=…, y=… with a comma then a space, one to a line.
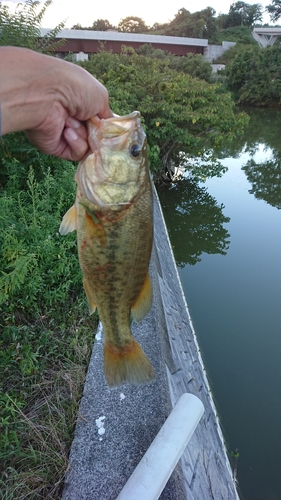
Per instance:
x=111, y=128
x=130, y=116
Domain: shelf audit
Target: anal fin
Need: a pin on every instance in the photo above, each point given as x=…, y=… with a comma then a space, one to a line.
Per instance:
x=144, y=301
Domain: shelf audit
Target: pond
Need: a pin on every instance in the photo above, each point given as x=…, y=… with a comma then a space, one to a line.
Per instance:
x=226, y=237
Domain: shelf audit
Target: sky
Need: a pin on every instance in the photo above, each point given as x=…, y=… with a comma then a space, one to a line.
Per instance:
x=85, y=12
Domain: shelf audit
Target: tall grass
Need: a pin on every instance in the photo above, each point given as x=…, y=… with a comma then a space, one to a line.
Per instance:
x=46, y=332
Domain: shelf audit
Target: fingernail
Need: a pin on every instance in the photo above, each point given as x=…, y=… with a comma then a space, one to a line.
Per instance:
x=71, y=134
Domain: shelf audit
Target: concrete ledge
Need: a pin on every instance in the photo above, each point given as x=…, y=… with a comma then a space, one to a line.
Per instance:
x=116, y=426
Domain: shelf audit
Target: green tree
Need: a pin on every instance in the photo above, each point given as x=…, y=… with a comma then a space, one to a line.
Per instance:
x=77, y=27
x=192, y=64
x=201, y=24
x=133, y=24
x=185, y=118
x=149, y=51
x=98, y=25
x=22, y=28
x=210, y=27
x=254, y=76
x=102, y=25
x=185, y=24
x=158, y=27
x=274, y=10
x=241, y=13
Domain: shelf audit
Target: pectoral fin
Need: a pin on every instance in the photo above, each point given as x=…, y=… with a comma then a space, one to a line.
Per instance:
x=69, y=221
x=144, y=300
x=92, y=305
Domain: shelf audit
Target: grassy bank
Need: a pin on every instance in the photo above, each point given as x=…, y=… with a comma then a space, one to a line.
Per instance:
x=46, y=331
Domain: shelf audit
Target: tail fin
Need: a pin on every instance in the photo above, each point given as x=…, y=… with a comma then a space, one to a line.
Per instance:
x=126, y=364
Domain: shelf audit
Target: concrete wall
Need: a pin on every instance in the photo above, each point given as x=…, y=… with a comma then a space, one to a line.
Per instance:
x=212, y=52
x=116, y=426
x=217, y=67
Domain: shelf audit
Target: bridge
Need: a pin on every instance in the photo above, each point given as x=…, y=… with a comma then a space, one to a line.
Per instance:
x=266, y=36
x=85, y=42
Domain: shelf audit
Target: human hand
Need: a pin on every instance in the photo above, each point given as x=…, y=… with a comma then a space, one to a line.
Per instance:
x=50, y=99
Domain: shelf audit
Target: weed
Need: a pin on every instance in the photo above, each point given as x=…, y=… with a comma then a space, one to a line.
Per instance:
x=46, y=331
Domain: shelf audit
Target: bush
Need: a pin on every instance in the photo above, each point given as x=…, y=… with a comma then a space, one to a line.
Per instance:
x=238, y=34
x=194, y=65
x=39, y=268
x=254, y=76
x=184, y=117
x=46, y=331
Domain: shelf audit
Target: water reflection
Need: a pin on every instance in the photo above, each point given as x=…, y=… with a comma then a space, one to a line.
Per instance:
x=263, y=168
x=195, y=219
x=265, y=179
x=261, y=129
x=235, y=301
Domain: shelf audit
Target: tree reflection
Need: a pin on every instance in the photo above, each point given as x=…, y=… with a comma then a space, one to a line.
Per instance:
x=260, y=130
x=265, y=176
x=195, y=221
x=265, y=179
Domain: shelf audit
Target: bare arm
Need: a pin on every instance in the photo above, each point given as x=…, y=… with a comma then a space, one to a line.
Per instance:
x=49, y=99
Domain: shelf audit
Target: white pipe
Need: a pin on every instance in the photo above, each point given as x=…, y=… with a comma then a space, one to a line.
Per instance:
x=152, y=473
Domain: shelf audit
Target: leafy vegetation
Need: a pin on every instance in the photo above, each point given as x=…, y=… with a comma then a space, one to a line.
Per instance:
x=240, y=34
x=98, y=25
x=274, y=10
x=191, y=64
x=47, y=334
x=132, y=24
x=201, y=24
x=254, y=76
x=185, y=118
x=241, y=14
x=22, y=28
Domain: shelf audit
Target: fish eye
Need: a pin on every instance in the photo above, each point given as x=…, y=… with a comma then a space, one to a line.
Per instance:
x=135, y=150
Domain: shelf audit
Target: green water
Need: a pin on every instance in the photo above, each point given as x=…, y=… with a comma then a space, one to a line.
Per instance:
x=226, y=237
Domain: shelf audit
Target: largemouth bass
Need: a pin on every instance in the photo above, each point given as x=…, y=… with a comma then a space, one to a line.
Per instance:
x=113, y=218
